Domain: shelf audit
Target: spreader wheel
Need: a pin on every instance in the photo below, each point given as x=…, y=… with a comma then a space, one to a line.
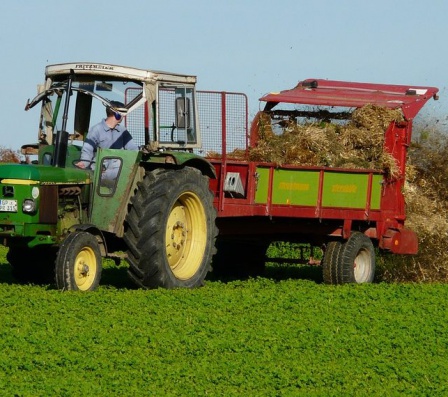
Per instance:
x=330, y=262
x=357, y=260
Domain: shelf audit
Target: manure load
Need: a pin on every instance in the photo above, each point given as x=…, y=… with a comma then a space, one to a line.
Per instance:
x=357, y=143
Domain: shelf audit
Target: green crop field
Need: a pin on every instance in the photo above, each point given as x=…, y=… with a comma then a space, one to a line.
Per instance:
x=281, y=335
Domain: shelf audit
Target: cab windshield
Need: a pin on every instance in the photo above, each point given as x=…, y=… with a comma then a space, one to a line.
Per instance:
x=87, y=107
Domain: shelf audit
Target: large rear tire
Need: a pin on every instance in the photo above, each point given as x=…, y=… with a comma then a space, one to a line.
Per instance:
x=79, y=263
x=170, y=229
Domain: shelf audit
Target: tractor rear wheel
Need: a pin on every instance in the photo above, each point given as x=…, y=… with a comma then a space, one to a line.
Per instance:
x=79, y=263
x=170, y=229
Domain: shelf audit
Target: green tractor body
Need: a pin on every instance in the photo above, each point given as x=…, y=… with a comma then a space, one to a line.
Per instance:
x=59, y=220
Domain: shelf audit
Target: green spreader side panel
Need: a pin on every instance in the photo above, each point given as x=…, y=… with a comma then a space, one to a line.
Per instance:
x=290, y=187
x=261, y=194
x=349, y=190
x=301, y=187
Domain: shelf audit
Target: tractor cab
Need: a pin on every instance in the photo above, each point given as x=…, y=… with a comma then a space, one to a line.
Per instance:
x=159, y=109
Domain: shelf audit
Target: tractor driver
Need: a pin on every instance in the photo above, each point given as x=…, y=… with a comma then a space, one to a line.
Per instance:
x=107, y=134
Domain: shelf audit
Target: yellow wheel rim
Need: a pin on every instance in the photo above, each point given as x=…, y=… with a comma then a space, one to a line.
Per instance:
x=186, y=236
x=85, y=268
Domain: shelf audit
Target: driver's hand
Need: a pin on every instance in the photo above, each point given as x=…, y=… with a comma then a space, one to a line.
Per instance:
x=80, y=164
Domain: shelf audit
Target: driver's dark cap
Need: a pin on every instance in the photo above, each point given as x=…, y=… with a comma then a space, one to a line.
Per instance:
x=116, y=105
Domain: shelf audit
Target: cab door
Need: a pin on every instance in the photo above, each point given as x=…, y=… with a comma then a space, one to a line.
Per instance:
x=114, y=176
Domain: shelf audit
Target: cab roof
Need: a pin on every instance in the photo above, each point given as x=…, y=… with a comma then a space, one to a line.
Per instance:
x=354, y=95
x=116, y=71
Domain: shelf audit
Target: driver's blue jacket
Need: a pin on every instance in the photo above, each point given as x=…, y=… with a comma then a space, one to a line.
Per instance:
x=102, y=136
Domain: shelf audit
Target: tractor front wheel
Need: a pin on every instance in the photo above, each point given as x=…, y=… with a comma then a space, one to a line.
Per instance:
x=79, y=263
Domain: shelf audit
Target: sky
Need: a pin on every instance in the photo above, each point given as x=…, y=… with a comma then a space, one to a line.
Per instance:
x=253, y=47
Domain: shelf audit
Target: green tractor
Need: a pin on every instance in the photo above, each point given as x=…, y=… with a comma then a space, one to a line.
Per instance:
x=59, y=220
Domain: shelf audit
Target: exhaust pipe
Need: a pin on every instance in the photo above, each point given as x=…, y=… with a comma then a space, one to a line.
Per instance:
x=61, y=144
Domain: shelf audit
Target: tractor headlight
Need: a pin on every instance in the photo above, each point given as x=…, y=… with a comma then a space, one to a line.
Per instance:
x=29, y=206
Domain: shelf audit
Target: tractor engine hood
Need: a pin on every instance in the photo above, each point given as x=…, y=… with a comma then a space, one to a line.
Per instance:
x=13, y=173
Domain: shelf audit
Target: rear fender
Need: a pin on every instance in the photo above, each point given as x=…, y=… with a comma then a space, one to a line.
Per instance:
x=182, y=159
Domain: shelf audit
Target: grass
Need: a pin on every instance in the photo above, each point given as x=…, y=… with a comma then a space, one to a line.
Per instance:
x=273, y=336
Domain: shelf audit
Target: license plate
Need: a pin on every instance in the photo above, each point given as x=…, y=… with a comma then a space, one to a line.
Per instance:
x=8, y=205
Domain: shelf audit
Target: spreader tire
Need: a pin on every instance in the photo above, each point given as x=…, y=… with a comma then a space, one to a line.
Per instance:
x=79, y=264
x=170, y=229
x=330, y=262
x=357, y=260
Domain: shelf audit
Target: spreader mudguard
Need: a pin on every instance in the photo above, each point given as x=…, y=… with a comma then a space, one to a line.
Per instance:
x=402, y=241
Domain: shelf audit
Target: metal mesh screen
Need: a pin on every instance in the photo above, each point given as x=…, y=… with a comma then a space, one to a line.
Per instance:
x=135, y=121
x=166, y=114
x=210, y=106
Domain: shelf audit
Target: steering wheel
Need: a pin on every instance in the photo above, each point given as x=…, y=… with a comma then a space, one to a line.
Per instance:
x=87, y=167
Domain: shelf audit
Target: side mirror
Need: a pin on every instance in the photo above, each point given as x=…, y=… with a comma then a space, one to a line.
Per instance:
x=182, y=112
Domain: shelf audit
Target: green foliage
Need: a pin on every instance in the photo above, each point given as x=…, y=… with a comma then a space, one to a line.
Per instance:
x=260, y=337
x=293, y=251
